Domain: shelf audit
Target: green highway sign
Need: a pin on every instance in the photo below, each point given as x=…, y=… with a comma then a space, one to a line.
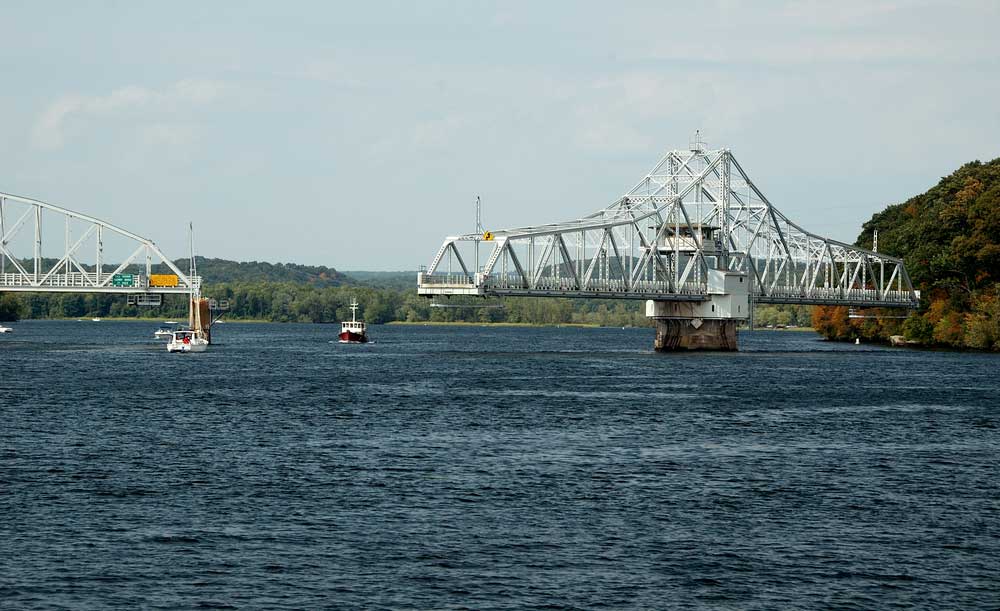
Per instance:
x=123, y=280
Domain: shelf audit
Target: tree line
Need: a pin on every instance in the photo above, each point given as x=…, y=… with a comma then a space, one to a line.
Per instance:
x=949, y=239
x=296, y=302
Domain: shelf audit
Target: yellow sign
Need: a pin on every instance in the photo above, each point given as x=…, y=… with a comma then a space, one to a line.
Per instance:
x=163, y=280
x=488, y=236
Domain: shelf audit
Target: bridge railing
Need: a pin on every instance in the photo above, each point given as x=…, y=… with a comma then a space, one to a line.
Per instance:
x=833, y=296
x=92, y=281
x=639, y=289
x=441, y=279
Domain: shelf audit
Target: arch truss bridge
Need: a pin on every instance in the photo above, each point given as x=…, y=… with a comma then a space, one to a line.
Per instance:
x=46, y=248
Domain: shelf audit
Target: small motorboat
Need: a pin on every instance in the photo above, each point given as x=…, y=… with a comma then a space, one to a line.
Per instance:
x=164, y=332
x=353, y=331
x=4, y=329
x=186, y=340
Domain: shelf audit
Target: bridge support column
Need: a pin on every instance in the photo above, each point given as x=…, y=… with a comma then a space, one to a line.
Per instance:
x=708, y=323
x=695, y=334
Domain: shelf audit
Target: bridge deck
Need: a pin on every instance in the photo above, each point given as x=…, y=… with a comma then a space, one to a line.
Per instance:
x=78, y=282
x=659, y=291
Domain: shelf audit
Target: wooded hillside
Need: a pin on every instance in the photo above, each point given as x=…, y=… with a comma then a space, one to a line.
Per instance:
x=949, y=238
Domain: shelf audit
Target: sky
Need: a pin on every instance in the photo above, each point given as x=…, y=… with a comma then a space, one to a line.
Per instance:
x=358, y=135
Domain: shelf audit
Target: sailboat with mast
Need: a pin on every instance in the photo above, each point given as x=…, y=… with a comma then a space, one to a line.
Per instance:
x=193, y=339
x=353, y=331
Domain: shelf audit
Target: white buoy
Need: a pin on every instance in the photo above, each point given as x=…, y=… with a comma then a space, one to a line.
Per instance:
x=857, y=341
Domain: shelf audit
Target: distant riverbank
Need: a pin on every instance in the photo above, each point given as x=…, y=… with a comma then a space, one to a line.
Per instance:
x=427, y=323
x=159, y=319
x=424, y=323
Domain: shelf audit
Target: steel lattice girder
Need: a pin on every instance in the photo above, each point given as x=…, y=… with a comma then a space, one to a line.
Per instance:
x=69, y=274
x=634, y=247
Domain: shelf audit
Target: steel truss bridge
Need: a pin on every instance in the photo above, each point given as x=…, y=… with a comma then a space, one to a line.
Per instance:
x=693, y=220
x=71, y=238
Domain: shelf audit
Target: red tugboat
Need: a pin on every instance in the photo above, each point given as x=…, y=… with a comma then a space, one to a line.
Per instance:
x=353, y=331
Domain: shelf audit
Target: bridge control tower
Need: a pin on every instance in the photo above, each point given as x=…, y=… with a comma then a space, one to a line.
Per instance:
x=695, y=238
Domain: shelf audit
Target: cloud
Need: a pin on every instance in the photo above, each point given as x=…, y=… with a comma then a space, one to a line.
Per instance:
x=49, y=130
x=322, y=69
x=845, y=12
x=433, y=136
x=169, y=135
x=634, y=111
x=439, y=133
x=805, y=34
x=195, y=91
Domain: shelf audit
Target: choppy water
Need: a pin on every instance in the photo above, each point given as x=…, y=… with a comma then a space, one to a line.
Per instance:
x=492, y=469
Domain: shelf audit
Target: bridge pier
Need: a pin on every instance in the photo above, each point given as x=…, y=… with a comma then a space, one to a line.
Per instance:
x=707, y=324
x=695, y=334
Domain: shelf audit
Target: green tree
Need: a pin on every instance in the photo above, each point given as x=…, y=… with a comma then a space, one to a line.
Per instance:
x=949, y=239
x=11, y=307
x=918, y=329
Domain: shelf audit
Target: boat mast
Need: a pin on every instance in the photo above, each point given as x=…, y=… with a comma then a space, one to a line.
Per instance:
x=354, y=310
x=195, y=318
x=193, y=267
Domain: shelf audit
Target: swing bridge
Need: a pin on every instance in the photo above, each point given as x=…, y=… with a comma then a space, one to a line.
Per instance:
x=695, y=238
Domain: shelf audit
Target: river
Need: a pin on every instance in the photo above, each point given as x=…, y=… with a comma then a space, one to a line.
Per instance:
x=492, y=468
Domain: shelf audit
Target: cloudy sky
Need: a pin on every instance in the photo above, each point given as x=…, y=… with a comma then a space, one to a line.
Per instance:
x=357, y=135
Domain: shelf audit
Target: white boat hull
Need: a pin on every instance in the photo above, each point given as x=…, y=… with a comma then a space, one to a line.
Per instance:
x=194, y=346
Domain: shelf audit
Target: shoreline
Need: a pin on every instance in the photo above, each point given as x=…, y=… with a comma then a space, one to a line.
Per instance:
x=424, y=323
x=462, y=323
x=161, y=320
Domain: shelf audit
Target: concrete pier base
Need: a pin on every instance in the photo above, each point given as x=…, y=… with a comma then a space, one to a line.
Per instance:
x=695, y=334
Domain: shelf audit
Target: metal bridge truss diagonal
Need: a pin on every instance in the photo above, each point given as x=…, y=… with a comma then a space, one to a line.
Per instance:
x=77, y=244
x=696, y=213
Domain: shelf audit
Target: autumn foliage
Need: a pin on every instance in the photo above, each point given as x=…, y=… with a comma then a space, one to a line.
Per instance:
x=834, y=322
x=949, y=238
